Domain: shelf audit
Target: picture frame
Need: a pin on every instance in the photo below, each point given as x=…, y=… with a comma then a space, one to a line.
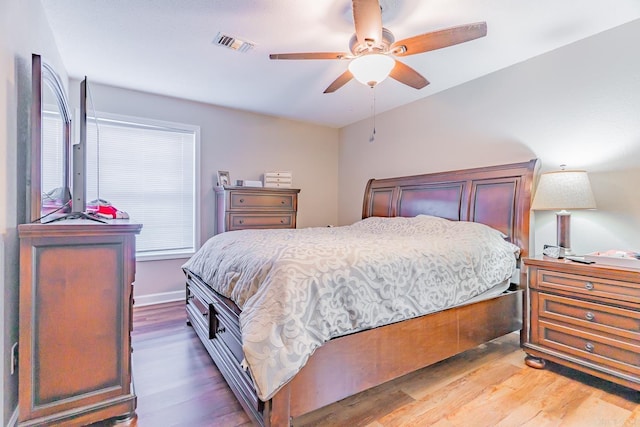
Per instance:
x=223, y=178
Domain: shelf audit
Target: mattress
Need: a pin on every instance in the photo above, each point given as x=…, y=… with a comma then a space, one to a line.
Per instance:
x=300, y=288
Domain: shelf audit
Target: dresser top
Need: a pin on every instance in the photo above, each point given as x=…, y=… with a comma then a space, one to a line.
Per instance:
x=256, y=189
x=580, y=268
x=80, y=226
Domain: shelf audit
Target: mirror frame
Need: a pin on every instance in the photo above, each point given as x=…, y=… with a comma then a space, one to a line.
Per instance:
x=43, y=74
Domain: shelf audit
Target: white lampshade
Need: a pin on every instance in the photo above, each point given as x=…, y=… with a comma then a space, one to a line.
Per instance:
x=559, y=191
x=372, y=68
x=564, y=190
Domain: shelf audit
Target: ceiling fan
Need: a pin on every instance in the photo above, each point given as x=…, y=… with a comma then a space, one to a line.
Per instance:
x=373, y=49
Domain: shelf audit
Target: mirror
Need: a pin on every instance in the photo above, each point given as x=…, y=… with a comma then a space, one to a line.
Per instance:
x=50, y=143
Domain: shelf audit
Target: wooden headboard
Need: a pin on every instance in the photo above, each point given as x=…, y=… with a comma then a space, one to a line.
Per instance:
x=498, y=196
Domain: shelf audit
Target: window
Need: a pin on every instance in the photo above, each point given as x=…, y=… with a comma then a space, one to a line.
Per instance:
x=148, y=169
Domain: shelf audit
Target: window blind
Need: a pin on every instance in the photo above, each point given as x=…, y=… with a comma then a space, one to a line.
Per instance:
x=147, y=169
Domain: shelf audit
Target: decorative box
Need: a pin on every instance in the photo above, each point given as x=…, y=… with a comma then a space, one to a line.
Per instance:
x=278, y=179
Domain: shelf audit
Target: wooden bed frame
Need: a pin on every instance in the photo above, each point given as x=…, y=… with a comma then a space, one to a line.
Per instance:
x=498, y=196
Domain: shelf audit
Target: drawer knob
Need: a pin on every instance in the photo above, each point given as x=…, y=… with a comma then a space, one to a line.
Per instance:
x=241, y=200
x=282, y=202
x=241, y=221
x=588, y=286
x=589, y=347
x=282, y=221
x=589, y=316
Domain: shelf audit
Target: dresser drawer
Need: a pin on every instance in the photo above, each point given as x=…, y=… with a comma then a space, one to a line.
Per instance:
x=245, y=221
x=603, y=351
x=598, y=317
x=589, y=286
x=245, y=200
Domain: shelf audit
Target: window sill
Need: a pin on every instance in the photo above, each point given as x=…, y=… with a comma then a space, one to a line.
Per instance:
x=159, y=256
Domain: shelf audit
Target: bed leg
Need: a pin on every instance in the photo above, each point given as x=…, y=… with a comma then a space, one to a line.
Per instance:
x=277, y=412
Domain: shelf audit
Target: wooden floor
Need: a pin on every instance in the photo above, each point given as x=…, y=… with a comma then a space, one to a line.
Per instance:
x=178, y=385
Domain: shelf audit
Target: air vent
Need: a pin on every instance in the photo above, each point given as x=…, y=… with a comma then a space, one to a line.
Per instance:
x=232, y=43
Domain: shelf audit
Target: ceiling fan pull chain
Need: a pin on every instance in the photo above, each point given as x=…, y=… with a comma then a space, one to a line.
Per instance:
x=372, y=138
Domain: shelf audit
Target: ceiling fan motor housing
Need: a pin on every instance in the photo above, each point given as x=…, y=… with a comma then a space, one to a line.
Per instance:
x=371, y=46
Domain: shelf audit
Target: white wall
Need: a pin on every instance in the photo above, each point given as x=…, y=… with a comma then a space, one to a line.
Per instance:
x=578, y=105
x=246, y=145
x=23, y=30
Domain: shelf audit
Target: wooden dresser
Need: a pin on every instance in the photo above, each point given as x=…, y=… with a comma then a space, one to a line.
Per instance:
x=584, y=316
x=75, y=320
x=239, y=208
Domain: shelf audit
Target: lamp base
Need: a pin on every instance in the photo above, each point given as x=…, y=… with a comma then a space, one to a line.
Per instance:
x=563, y=232
x=565, y=252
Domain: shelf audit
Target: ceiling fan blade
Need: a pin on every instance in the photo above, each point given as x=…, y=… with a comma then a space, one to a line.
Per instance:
x=311, y=55
x=407, y=75
x=339, y=82
x=439, y=39
x=367, y=18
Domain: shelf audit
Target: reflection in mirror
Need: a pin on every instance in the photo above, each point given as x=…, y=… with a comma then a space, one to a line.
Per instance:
x=53, y=143
x=50, y=144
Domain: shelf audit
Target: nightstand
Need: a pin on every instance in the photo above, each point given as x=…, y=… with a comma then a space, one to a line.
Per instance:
x=586, y=317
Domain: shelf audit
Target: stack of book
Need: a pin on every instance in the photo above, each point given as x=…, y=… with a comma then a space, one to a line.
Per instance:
x=277, y=179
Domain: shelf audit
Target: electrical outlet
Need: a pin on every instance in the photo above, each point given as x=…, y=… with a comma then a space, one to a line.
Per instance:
x=14, y=358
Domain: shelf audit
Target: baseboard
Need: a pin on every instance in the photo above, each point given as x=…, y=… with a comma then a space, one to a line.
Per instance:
x=151, y=299
x=13, y=421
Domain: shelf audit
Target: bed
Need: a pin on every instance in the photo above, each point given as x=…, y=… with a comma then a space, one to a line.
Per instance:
x=358, y=359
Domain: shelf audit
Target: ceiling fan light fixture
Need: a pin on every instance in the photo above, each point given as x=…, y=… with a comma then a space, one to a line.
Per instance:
x=372, y=68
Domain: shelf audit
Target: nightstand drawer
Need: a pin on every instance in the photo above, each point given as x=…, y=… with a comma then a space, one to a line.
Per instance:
x=588, y=286
x=607, y=319
x=244, y=200
x=245, y=221
x=601, y=350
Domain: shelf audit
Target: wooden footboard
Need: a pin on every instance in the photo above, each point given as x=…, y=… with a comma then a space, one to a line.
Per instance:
x=353, y=363
x=348, y=365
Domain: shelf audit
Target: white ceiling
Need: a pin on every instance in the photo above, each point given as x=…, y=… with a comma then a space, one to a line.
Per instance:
x=166, y=47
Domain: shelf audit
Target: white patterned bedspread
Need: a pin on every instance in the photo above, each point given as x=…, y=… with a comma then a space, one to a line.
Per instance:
x=299, y=288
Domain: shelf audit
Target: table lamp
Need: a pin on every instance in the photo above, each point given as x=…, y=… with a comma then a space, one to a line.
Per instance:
x=561, y=191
